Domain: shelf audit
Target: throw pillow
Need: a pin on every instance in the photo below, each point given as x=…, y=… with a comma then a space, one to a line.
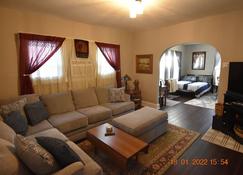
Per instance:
x=59, y=149
x=17, y=122
x=36, y=112
x=35, y=157
x=117, y=94
x=15, y=106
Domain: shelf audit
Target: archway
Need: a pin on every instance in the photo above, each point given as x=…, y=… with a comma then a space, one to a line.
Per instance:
x=190, y=70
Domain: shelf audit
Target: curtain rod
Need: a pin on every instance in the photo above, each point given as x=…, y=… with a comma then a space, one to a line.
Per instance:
x=66, y=37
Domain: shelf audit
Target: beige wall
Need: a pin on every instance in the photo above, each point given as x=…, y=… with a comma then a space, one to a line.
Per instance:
x=224, y=32
x=14, y=21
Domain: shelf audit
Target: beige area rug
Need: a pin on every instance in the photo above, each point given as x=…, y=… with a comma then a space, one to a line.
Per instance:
x=167, y=147
x=219, y=138
x=206, y=101
x=171, y=102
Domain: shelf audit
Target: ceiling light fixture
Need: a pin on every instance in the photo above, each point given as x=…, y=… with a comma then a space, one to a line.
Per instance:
x=136, y=8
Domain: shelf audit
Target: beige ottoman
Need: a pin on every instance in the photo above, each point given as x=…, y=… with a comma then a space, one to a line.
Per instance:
x=146, y=124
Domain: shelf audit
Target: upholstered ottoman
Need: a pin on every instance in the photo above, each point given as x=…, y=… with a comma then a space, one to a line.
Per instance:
x=146, y=124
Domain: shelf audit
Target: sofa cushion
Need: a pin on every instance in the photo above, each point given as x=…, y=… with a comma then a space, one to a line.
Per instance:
x=35, y=157
x=10, y=164
x=31, y=98
x=120, y=107
x=14, y=106
x=96, y=113
x=53, y=132
x=102, y=95
x=91, y=167
x=84, y=98
x=6, y=132
x=140, y=121
x=16, y=121
x=60, y=150
x=42, y=126
x=117, y=94
x=36, y=112
x=58, y=103
x=68, y=121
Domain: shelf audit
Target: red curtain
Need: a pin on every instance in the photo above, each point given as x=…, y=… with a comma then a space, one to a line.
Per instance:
x=35, y=50
x=111, y=53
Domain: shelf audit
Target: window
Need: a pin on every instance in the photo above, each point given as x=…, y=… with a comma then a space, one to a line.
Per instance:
x=51, y=69
x=170, y=65
x=104, y=68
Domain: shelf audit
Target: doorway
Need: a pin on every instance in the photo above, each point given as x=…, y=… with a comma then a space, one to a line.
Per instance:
x=191, y=72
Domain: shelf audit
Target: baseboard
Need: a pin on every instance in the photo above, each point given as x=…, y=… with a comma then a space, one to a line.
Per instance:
x=150, y=104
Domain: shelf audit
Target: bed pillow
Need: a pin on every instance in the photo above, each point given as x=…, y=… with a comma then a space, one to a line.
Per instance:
x=36, y=112
x=191, y=78
x=59, y=149
x=204, y=78
x=17, y=122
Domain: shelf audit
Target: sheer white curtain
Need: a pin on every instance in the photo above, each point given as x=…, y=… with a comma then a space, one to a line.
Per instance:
x=106, y=75
x=217, y=68
x=51, y=77
x=170, y=65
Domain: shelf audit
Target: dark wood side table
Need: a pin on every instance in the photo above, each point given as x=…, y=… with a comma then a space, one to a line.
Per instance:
x=136, y=97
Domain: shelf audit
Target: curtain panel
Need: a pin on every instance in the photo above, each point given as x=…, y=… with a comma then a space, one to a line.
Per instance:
x=111, y=53
x=35, y=51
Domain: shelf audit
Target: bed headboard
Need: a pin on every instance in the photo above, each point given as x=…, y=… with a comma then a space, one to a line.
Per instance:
x=205, y=78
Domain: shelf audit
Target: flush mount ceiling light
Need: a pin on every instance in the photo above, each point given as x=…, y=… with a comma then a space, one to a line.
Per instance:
x=136, y=8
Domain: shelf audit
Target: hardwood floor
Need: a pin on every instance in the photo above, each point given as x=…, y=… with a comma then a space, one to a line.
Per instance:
x=200, y=120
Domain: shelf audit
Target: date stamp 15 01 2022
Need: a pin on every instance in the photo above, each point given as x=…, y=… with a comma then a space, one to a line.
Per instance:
x=200, y=162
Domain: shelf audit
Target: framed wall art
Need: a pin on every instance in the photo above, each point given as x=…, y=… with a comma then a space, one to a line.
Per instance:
x=198, y=60
x=81, y=48
x=144, y=64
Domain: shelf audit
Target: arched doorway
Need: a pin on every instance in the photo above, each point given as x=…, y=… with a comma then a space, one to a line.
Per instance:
x=192, y=71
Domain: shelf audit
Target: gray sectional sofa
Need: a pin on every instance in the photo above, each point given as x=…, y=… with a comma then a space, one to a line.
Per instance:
x=71, y=114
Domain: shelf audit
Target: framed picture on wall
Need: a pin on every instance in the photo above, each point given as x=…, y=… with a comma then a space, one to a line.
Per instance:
x=144, y=64
x=198, y=60
x=81, y=48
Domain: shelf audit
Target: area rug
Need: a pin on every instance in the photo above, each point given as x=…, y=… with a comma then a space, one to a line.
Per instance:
x=221, y=139
x=167, y=147
x=171, y=102
x=206, y=101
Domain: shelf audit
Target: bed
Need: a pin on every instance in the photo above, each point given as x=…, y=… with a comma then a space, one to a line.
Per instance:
x=196, y=85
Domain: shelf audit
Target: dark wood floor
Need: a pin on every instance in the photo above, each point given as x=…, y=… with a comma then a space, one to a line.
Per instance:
x=200, y=120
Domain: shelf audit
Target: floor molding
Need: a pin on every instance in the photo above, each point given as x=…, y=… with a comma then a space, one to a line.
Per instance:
x=150, y=104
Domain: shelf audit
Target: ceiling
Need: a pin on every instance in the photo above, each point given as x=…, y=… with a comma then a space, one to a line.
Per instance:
x=115, y=13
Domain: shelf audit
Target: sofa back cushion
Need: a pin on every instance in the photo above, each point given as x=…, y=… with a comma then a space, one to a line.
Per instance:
x=14, y=106
x=31, y=98
x=85, y=98
x=58, y=103
x=102, y=95
x=10, y=164
x=6, y=132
